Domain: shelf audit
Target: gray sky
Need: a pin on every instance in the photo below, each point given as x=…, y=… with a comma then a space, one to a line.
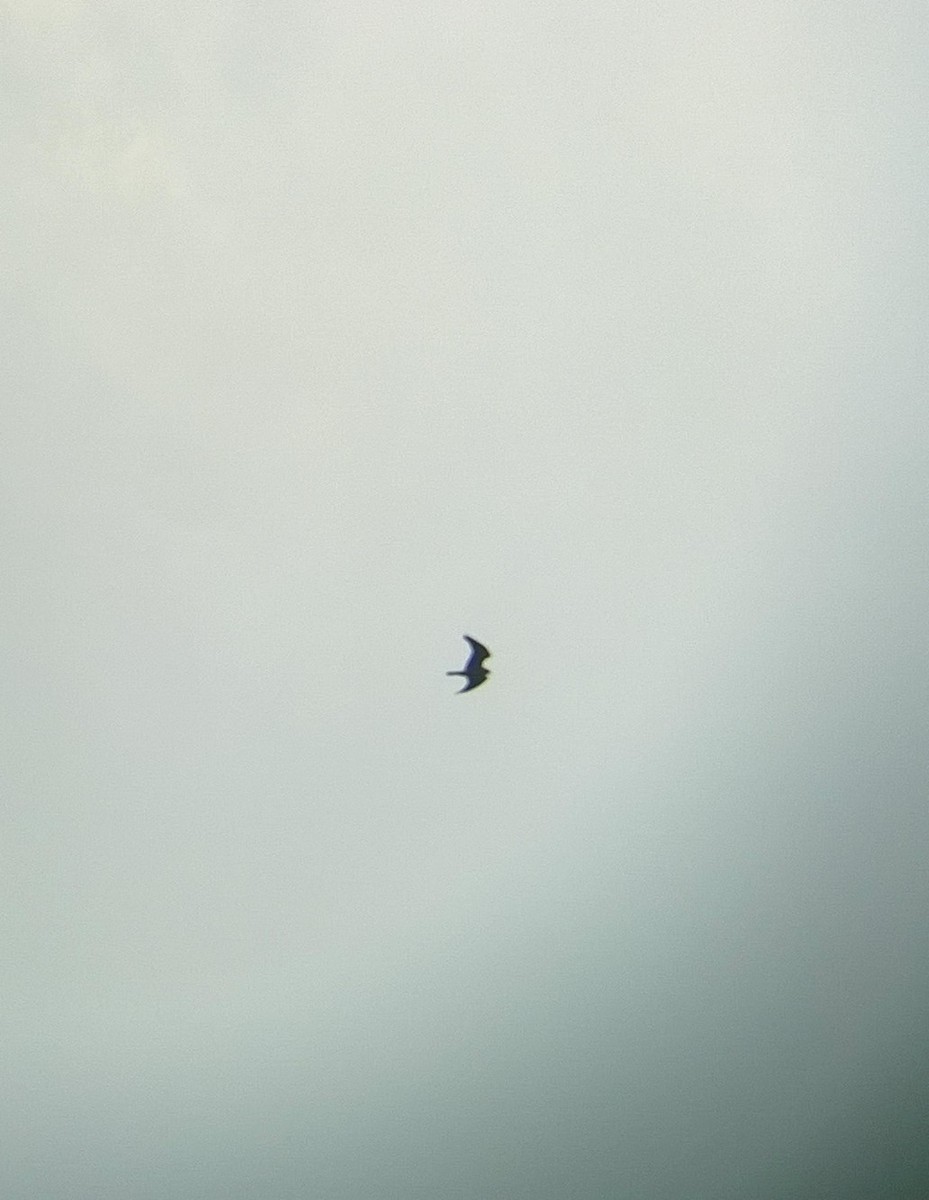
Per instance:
x=331, y=333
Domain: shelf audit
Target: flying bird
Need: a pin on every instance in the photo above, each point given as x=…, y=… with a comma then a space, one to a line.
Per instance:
x=474, y=671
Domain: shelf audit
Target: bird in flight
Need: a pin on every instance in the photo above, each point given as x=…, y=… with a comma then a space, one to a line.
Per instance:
x=474, y=672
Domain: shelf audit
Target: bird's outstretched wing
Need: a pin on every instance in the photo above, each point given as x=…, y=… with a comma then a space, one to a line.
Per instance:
x=478, y=653
x=470, y=684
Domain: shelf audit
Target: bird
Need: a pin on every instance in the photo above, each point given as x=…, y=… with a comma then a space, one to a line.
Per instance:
x=474, y=671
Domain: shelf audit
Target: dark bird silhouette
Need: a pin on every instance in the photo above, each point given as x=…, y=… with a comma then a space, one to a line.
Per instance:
x=474, y=672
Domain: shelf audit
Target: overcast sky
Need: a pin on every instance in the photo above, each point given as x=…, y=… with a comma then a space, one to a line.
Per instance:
x=332, y=332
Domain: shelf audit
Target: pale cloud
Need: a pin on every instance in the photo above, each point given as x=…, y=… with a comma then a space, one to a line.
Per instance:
x=111, y=159
x=44, y=15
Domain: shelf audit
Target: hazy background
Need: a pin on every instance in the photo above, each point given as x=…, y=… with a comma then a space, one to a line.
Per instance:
x=333, y=332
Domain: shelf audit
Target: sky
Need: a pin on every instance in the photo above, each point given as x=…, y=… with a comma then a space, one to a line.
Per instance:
x=331, y=333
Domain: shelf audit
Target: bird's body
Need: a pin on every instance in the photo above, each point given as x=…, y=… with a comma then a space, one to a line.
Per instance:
x=474, y=671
